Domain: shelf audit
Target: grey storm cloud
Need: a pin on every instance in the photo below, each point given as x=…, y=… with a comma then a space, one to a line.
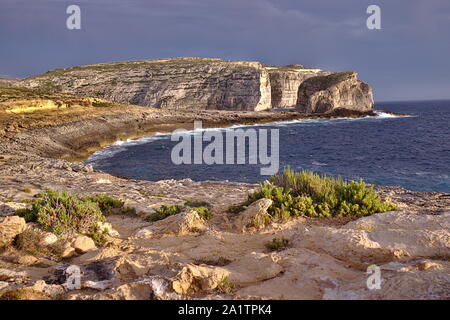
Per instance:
x=406, y=59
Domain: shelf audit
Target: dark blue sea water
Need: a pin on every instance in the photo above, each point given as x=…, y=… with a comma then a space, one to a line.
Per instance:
x=413, y=152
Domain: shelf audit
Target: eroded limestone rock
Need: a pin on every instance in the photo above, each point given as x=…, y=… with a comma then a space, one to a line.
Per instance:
x=285, y=82
x=83, y=244
x=10, y=227
x=338, y=90
x=181, y=223
x=255, y=216
x=192, y=279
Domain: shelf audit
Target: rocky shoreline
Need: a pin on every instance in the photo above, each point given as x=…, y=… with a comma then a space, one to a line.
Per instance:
x=217, y=253
x=327, y=258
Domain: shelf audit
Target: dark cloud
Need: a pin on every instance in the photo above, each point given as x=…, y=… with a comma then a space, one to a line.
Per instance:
x=407, y=59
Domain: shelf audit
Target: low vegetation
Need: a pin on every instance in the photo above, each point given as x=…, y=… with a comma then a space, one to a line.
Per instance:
x=196, y=203
x=278, y=244
x=102, y=104
x=163, y=212
x=309, y=194
x=106, y=203
x=201, y=207
x=330, y=80
x=29, y=242
x=23, y=294
x=225, y=285
x=65, y=213
x=204, y=212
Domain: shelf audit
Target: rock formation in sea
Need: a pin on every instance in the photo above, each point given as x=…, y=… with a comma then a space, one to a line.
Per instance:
x=285, y=81
x=210, y=84
x=322, y=94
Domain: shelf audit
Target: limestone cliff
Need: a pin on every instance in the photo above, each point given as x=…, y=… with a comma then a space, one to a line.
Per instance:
x=285, y=82
x=210, y=84
x=338, y=90
x=181, y=83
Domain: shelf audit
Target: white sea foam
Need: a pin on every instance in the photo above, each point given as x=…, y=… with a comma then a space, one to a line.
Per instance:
x=122, y=145
x=317, y=163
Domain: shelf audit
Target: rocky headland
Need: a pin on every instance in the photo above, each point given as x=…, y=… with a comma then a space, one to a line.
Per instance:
x=210, y=84
x=325, y=93
x=188, y=255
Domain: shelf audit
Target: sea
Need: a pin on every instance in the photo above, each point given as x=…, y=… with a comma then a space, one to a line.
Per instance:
x=411, y=151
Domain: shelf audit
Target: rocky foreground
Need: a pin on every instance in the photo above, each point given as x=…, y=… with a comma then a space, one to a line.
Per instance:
x=184, y=256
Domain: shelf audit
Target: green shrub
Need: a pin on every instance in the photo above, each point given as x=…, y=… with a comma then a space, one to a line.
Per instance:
x=196, y=203
x=204, y=212
x=278, y=244
x=61, y=213
x=225, y=285
x=309, y=194
x=105, y=202
x=98, y=235
x=128, y=210
x=27, y=214
x=163, y=212
x=102, y=104
x=238, y=208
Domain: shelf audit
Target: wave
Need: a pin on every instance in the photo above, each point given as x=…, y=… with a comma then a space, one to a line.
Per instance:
x=122, y=145
x=317, y=163
x=386, y=115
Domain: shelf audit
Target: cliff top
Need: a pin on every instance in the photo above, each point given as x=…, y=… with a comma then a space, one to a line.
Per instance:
x=154, y=64
x=332, y=79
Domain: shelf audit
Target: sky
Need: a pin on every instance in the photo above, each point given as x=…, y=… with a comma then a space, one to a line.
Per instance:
x=407, y=59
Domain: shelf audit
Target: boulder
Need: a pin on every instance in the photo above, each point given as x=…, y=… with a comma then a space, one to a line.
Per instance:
x=47, y=239
x=323, y=94
x=255, y=216
x=67, y=251
x=83, y=244
x=181, y=223
x=10, y=227
x=192, y=279
x=252, y=268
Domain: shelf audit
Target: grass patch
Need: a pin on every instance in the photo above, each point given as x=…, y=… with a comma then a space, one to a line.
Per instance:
x=278, y=244
x=102, y=104
x=29, y=242
x=128, y=211
x=309, y=194
x=204, y=212
x=27, y=190
x=225, y=285
x=99, y=236
x=196, y=203
x=158, y=195
x=237, y=208
x=163, y=212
